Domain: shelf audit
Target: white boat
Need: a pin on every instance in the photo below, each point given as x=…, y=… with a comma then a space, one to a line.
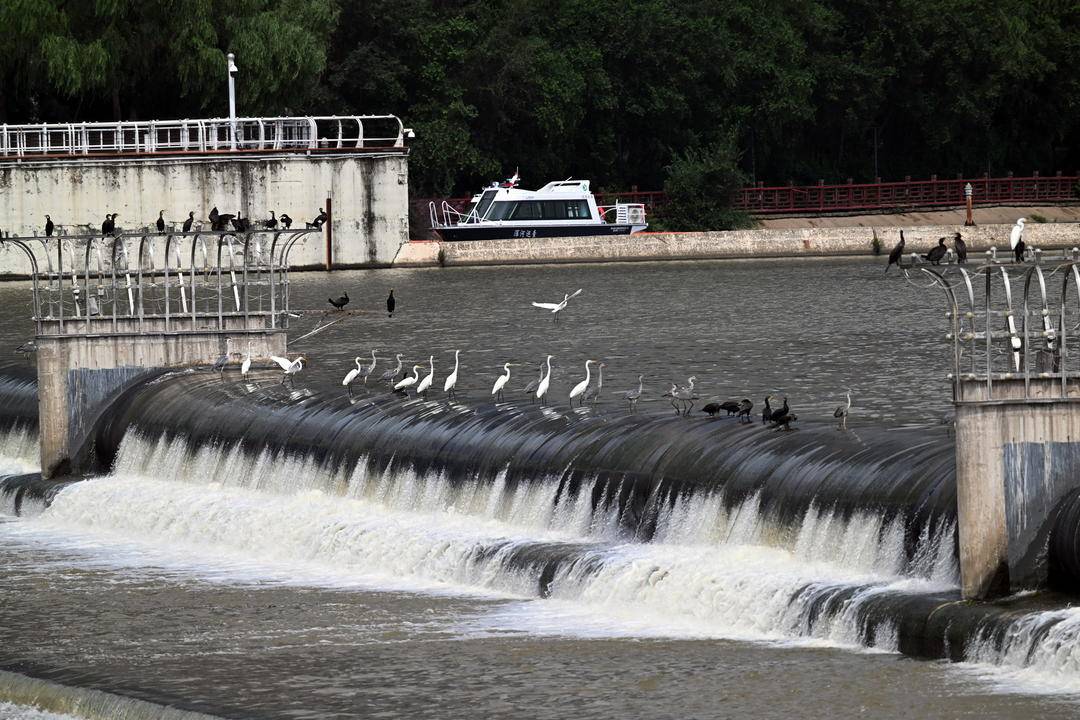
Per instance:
x=564, y=208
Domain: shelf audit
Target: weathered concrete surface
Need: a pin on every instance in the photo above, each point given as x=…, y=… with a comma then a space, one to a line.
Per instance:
x=1016, y=458
x=738, y=244
x=79, y=373
x=370, y=197
x=983, y=215
x=418, y=253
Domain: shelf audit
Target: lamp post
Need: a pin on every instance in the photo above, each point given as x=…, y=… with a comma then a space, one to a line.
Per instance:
x=231, y=60
x=968, y=192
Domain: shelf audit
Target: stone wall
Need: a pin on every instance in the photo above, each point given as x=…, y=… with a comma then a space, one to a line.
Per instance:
x=740, y=244
x=369, y=191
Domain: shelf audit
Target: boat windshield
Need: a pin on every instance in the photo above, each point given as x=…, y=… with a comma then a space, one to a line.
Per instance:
x=485, y=203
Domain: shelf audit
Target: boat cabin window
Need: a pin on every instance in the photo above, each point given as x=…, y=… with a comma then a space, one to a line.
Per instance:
x=541, y=210
x=485, y=203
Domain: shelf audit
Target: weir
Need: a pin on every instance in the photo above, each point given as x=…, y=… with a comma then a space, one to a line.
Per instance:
x=112, y=311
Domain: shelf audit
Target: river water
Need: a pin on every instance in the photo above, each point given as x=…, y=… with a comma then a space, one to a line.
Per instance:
x=251, y=589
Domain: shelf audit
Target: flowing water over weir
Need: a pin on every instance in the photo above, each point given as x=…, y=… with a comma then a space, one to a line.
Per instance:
x=645, y=526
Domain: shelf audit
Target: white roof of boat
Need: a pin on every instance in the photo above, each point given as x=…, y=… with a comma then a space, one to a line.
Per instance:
x=559, y=189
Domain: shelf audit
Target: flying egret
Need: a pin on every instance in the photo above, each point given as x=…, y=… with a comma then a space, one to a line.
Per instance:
x=365, y=371
x=289, y=369
x=556, y=308
x=408, y=382
x=542, y=389
x=841, y=413
x=632, y=396
x=422, y=388
x=389, y=375
x=497, y=388
x=593, y=393
x=451, y=379
x=580, y=387
x=351, y=376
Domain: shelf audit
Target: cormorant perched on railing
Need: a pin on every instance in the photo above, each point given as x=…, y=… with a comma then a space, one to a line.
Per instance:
x=109, y=225
x=48, y=226
x=745, y=406
x=391, y=303
x=286, y=221
x=937, y=254
x=897, y=252
x=160, y=221
x=961, y=249
x=189, y=221
x=340, y=302
x=240, y=224
x=271, y=223
x=318, y=222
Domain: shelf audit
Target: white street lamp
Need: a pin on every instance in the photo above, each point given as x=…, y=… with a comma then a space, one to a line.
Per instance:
x=231, y=58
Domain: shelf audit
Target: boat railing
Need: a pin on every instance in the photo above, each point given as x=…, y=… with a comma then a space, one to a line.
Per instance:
x=625, y=213
x=450, y=215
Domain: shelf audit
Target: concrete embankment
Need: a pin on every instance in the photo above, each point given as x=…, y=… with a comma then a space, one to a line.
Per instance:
x=737, y=244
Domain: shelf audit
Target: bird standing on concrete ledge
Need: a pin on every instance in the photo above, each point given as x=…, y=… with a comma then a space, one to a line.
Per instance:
x=340, y=302
x=160, y=224
x=48, y=226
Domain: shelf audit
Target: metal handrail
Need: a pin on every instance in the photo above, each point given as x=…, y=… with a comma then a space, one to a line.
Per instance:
x=198, y=136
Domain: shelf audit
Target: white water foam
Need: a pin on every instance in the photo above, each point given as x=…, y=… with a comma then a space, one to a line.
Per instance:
x=18, y=456
x=1039, y=652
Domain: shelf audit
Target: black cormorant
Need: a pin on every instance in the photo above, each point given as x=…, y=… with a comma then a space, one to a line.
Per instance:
x=189, y=221
x=160, y=221
x=340, y=302
x=1018, y=251
x=711, y=409
x=776, y=414
x=766, y=412
x=894, y=256
x=745, y=406
x=937, y=254
x=271, y=223
x=286, y=221
x=391, y=303
x=48, y=226
x=961, y=249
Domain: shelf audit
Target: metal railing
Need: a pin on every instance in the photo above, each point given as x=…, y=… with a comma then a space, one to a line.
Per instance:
x=171, y=281
x=906, y=194
x=214, y=135
x=1001, y=333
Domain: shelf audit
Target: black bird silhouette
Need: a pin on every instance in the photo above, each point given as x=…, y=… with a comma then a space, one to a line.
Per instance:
x=109, y=225
x=271, y=223
x=894, y=256
x=1018, y=251
x=213, y=216
x=711, y=409
x=223, y=222
x=783, y=422
x=240, y=224
x=937, y=254
x=190, y=219
x=318, y=222
x=48, y=226
x=340, y=302
x=160, y=221
x=745, y=406
x=777, y=414
x=766, y=412
x=286, y=221
x=391, y=303
x=961, y=249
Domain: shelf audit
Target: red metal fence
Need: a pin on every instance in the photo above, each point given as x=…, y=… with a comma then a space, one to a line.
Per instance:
x=850, y=197
x=906, y=194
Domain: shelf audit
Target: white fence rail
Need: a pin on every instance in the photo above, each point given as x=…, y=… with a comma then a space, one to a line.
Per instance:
x=202, y=136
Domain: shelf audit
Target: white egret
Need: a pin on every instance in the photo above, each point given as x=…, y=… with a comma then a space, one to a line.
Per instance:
x=351, y=376
x=408, y=382
x=1017, y=233
x=451, y=379
x=500, y=383
x=556, y=308
x=365, y=372
x=389, y=375
x=245, y=367
x=289, y=369
x=632, y=396
x=841, y=413
x=580, y=387
x=545, y=383
x=422, y=388
x=685, y=394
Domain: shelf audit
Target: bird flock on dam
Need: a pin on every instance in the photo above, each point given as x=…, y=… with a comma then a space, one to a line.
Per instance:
x=420, y=380
x=941, y=251
x=215, y=221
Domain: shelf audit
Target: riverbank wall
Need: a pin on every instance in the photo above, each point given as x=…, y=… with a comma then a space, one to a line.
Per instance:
x=730, y=245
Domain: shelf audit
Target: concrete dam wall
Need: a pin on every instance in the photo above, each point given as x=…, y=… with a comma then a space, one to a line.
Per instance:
x=369, y=191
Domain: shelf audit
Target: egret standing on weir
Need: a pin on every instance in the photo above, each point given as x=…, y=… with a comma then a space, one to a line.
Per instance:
x=530, y=389
x=500, y=383
x=541, y=390
x=347, y=381
x=451, y=379
x=579, y=389
x=289, y=369
x=558, y=307
x=389, y=375
x=408, y=382
x=841, y=413
x=632, y=396
x=422, y=388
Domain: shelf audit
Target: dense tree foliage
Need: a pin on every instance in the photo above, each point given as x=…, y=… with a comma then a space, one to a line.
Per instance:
x=615, y=90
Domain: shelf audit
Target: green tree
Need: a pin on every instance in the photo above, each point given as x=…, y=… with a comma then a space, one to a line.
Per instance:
x=701, y=187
